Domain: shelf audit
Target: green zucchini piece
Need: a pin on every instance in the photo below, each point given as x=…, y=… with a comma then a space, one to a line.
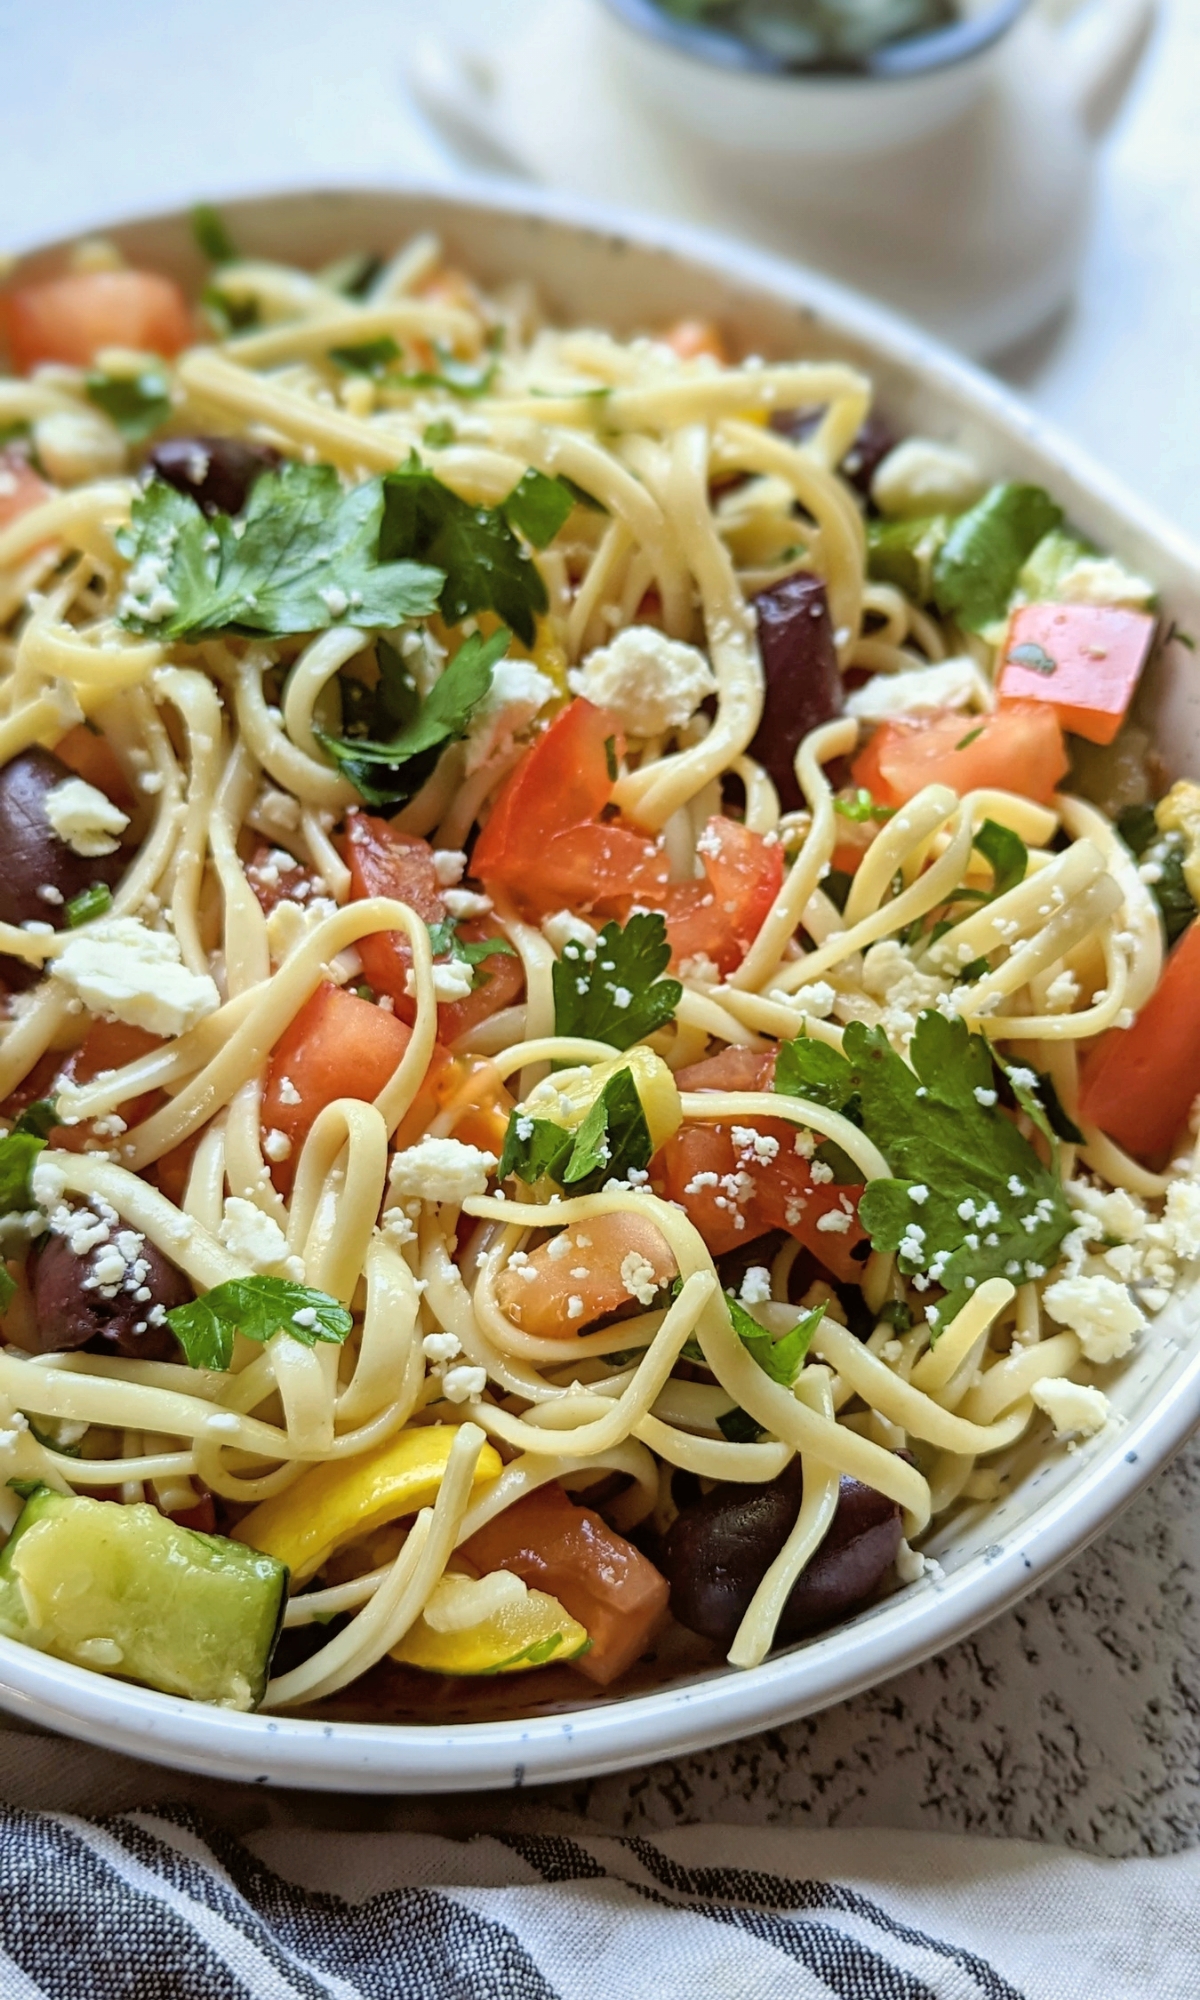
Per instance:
x=126, y=1591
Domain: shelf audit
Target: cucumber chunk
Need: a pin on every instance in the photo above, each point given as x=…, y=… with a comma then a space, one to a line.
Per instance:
x=126, y=1591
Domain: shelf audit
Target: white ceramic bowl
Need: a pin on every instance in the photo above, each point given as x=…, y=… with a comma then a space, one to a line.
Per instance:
x=629, y=275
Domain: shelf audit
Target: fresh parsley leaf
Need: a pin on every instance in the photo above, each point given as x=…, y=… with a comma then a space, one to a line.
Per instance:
x=137, y=404
x=972, y=736
x=1139, y=829
x=354, y=275
x=976, y=968
x=737, y=1426
x=212, y=237
x=1007, y=854
x=18, y=1151
x=612, y=992
x=257, y=1307
x=1042, y=1104
x=389, y=773
x=781, y=1359
x=811, y=1069
x=863, y=807
x=38, y=1118
x=581, y=496
x=484, y=566
x=989, y=1207
x=303, y=555
x=439, y=434
x=903, y=553
x=369, y=357
x=896, y=1313
x=87, y=904
x=229, y=314
x=976, y=569
x=445, y=942
x=612, y=1139
x=461, y=378
x=538, y=506
x=610, y=759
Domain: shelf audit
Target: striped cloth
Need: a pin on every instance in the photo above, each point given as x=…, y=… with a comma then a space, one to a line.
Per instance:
x=169, y=1903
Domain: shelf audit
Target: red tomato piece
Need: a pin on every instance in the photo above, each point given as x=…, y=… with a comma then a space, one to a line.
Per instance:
x=603, y=868
x=337, y=1046
x=385, y=862
x=564, y=780
x=1019, y=748
x=501, y=981
x=1084, y=660
x=1137, y=1084
x=276, y=878
x=600, y=1578
x=107, y=1045
x=71, y=318
x=20, y=487
x=721, y=917
x=750, y=1196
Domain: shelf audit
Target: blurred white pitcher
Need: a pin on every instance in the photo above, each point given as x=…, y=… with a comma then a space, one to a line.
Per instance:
x=952, y=180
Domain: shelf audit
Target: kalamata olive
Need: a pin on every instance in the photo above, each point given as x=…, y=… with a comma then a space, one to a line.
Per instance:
x=80, y=1300
x=871, y=446
x=718, y=1550
x=803, y=683
x=40, y=874
x=217, y=472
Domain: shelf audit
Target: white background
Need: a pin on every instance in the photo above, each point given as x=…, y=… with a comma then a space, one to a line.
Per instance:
x=146, y=103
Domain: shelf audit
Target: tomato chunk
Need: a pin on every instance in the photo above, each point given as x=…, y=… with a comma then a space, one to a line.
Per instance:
x=107, y=1045
x=538, y=1294
x=732, y=1195
x=720, y=917
x=564, y=780
x=690, y=338
x=20, y=487
x=500, y=980
x=71, y=318
x=1083, y=660
x=337, y=1046
x=1137, y=1084
x=1019, y=748
x=599, y=1577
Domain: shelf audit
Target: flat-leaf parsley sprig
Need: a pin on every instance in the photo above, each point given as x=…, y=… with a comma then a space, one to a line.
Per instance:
x=611, y=991
x=970, y=1199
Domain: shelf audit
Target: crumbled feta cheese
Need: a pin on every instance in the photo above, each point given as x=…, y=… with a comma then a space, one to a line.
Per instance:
x=653, y=683
x=461, y=1385
x=637, y=1276
x=288, y=1093
x=1099, y=1310
x=277, y=1146
x=1103, y=580
x=517, y=692
x=441, y=1170
x=921, y=476
x=1062, y=993
x=955, y=683
x=451, y=980
x=449, y=866
x=985, y=1097
x=251, y=1236
x=701, y=969
x=465, y=903
x=441, y=1346
x=918, y=1192
x=84, y=818
x=837, y=1221
x=1075, y=1411
x=756, y=1286
x=574, y=1306
x=761, y=1147
x=815, y=1001
x=120, y=968
x=890, y=977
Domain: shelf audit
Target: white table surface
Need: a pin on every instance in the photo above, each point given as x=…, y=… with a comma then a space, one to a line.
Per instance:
x=1078, y=1716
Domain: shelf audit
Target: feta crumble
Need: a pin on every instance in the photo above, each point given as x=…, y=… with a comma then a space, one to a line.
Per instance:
x=84, y=819
x=441, y=1170
x=653, y=683
x=120, y=968
x=1073, y=1409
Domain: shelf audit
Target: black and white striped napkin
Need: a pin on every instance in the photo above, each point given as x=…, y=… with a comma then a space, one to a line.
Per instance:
x=171, y=1903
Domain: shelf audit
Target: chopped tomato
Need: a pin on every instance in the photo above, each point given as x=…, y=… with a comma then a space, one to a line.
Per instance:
x=276, y=877
x=107, y=1045
x=91, y=756
x=337, y=1046
x=733, y=1196
x=1019, y=748
x=71, y=318
x=592, y=1274
x=1083, y=660
x=564, y=780
x=690, y=338
x=384, y=862
x=1138, y=1084
x=500, y=981
x=20, y=487
x=599, y=1577
x=720, y=917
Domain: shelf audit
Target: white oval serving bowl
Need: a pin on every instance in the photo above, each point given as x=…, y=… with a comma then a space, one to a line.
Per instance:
x=637, y=275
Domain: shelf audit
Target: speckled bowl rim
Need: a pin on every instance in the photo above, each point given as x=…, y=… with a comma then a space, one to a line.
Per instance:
x=614, y=1734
